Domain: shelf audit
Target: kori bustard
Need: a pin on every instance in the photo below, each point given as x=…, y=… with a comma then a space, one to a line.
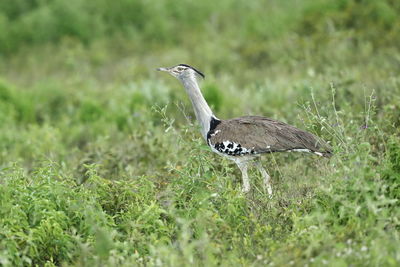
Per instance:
x=244, y=139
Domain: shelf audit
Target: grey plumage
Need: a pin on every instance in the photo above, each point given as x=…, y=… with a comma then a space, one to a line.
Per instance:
x=244, y=139
x=263, y=135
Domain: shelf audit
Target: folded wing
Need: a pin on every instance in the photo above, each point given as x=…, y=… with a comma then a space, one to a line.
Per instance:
x=255, y=135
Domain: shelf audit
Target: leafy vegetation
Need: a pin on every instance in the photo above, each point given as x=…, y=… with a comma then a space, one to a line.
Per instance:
x=101, y=162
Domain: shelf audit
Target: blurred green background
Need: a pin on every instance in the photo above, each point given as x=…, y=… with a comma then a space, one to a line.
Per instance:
x=101, y=161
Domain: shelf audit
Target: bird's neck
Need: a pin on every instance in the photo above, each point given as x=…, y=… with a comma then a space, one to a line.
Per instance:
x=201, y=109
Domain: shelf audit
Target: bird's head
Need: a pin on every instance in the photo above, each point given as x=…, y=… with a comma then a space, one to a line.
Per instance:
x=182, y=71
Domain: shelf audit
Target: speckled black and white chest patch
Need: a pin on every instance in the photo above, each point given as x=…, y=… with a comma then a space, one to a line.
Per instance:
x=232, y=149
x=226, y=147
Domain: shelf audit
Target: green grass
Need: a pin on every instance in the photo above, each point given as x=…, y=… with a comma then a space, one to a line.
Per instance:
x=102, y=163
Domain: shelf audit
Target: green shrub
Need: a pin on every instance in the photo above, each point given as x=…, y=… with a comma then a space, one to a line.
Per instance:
x=102, y=164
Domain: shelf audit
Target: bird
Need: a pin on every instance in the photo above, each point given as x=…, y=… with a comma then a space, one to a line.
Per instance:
x=244, y=139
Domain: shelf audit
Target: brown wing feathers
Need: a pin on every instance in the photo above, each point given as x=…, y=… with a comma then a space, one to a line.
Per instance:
x=254, y=134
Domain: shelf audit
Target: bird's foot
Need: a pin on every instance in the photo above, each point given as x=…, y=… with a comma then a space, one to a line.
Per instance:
x=245, y=189
x=269, y=190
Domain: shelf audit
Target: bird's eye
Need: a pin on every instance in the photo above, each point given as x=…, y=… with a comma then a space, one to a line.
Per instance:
x=181, y=69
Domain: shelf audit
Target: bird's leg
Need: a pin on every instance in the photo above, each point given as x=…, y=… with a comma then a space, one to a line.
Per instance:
x=243, y=166
x=266, y=177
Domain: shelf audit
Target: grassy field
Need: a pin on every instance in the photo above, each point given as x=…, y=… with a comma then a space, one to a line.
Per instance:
x=102, y=163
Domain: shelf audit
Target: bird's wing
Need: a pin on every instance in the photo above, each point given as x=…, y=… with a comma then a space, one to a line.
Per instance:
x=264, y=135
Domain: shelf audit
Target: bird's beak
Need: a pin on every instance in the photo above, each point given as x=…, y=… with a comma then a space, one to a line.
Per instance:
x=162, y=69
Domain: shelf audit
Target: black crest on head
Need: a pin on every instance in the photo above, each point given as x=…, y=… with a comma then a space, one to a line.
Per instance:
x=198, y=72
